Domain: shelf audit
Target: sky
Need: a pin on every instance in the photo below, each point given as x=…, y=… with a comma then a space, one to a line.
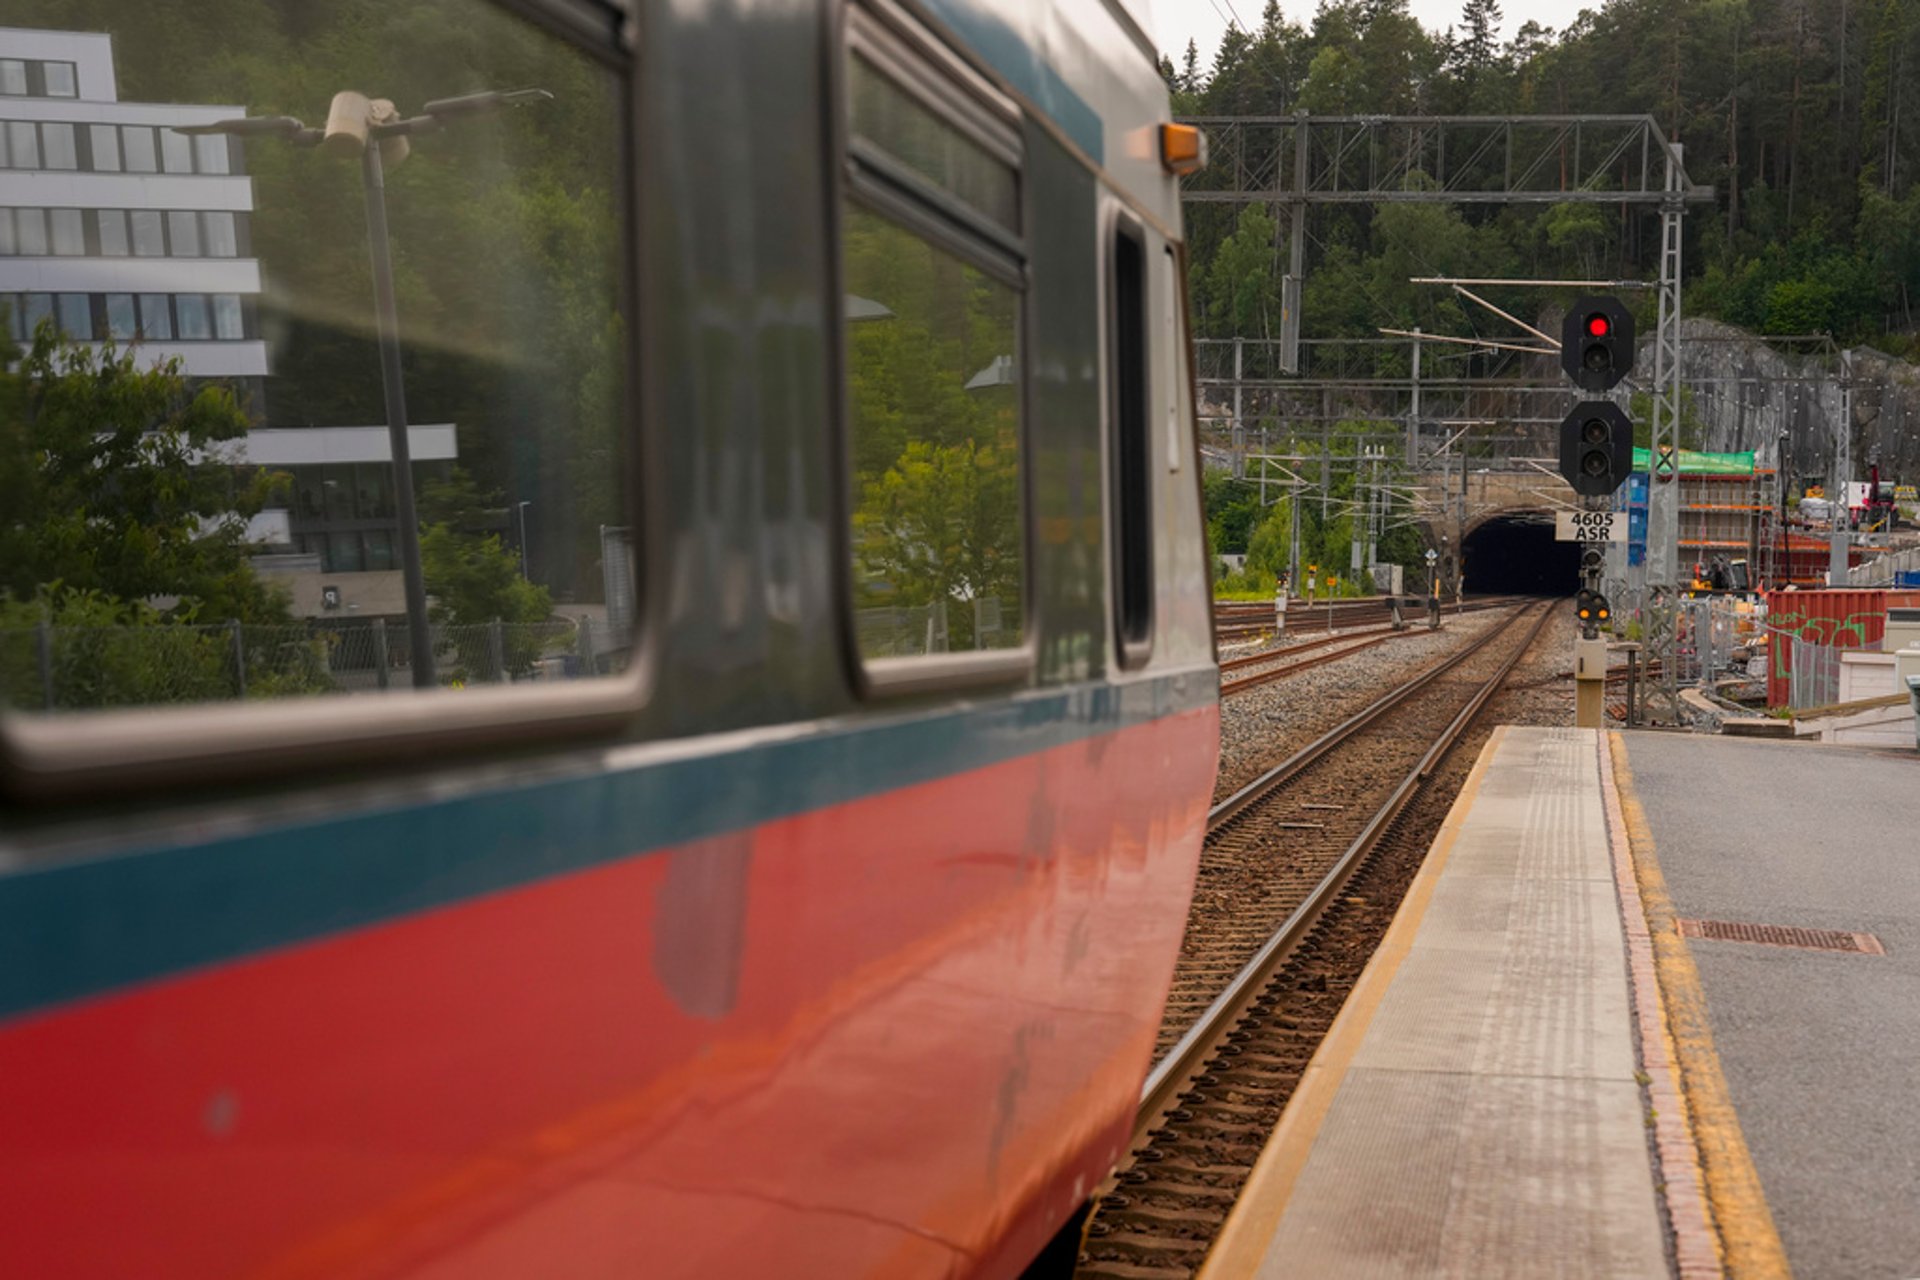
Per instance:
x=1174, y=22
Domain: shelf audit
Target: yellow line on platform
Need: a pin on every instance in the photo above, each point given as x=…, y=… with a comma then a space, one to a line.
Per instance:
x=1750, y=1244
x=1242, y=1244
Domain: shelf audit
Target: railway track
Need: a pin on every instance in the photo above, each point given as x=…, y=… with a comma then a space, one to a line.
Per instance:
x=1236, y=620
x=1366, y=639
x=1253, y=992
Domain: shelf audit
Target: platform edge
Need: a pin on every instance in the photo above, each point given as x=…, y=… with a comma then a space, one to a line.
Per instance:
x=1242, y=1243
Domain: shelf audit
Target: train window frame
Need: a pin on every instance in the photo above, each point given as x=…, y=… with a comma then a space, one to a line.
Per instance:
x=1127, y=429
x=896, y=45
x=58, y=760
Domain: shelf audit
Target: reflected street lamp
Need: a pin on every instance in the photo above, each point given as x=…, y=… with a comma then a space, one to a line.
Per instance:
x=524, y=504
x=375, y=130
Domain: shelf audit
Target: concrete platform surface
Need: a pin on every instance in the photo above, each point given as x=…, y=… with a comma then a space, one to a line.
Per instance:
x=1820, y=1050
x=1474, y=1111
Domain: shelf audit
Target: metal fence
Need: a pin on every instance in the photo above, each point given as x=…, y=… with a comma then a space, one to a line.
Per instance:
x=1814, y=680
x=59, y=668
x=902, y=632
x=1708, y=636
x=1885, y=570
x=911, y=630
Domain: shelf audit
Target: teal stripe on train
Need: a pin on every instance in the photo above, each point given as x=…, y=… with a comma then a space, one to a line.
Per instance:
x=78, y=929
x=1007, y=52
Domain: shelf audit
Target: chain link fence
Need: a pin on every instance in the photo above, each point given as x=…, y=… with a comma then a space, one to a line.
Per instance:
x=886, y=632
x=61, y=668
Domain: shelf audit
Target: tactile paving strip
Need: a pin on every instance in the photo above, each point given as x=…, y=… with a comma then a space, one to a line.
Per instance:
x=1783, y=935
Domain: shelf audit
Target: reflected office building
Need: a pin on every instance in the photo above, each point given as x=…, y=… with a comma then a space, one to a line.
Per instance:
x=119, y=229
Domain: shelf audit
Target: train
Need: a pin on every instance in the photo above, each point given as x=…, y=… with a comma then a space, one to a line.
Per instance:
x=764, y=468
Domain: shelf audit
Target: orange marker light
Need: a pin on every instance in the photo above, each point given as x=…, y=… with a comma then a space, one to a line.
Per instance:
x=1183, y=148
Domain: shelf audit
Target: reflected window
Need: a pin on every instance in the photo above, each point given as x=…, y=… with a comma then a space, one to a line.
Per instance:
x=13, y=77
x=343, y=553
x=907, y=131
x=68, y=232
x=191, y=320
x=933, y=265
x=149, y=240
x=62, y=149
x=516, y=375
x=156, y=317
x=76, y=316
x=220, y=240
x=7, y=243
x=60, y=79
x=228, y=322
x=379, y=545
x=183, y=234
x=373, y=485
x=36, y=310
x=137, y=148
x=105, y=143
x=210, y=154
x=112, y=225
x=23, y=144
x=176, y=151
x=934, y=423
x=30, y=231
x=123, y=323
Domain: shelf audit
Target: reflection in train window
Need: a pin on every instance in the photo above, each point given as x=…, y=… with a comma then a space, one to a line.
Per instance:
x=205, y=507
x=933, y=410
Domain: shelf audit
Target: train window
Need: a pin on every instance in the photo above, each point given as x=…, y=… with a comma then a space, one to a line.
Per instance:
x=900, y=128
x=934, y=378
x=1130, y=445
x=154, y=550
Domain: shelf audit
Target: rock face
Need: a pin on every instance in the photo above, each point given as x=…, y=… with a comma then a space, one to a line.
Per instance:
x=1741, y=394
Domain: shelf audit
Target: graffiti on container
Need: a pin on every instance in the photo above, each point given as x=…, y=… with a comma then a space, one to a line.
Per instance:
x=1849, y=632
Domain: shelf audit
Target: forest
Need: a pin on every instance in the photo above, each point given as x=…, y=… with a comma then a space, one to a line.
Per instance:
x=1802, y=115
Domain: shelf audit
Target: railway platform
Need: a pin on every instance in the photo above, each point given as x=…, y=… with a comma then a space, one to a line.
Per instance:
x=1645, y=1011
x=1792, y=873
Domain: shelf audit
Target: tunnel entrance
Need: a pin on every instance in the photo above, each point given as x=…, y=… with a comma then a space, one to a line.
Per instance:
x=1516, y=555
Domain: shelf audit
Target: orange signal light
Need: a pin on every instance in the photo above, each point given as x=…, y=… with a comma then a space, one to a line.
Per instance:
x=1183, y=149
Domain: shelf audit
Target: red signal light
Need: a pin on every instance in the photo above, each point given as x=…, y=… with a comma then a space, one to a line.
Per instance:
x=1598, y=325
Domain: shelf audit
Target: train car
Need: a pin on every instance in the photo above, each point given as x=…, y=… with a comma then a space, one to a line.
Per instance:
x=605, y=628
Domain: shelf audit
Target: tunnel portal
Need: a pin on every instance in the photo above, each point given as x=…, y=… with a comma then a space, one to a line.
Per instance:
x=1516, y=555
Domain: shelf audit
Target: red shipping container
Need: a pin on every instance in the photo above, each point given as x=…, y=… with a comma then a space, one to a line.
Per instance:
x=1841, y=618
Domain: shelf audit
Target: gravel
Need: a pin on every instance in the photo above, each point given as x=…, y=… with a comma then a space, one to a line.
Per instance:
x=1265, y=725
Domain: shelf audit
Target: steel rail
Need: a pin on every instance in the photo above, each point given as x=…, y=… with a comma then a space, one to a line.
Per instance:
x=1230, y=687
x=1255, y=791
x=1170, y=1075
x=1319, y=642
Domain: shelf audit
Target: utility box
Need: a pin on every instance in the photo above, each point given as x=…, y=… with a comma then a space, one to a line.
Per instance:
x=1906, y=674
x=1589, y=659
x=1903, y=629
x=1388, y=579
x=1913, y=691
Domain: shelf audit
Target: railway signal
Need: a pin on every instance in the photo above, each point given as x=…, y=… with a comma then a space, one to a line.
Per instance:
x=1596, y=343
x=1596, y=448
x=1596, y=453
